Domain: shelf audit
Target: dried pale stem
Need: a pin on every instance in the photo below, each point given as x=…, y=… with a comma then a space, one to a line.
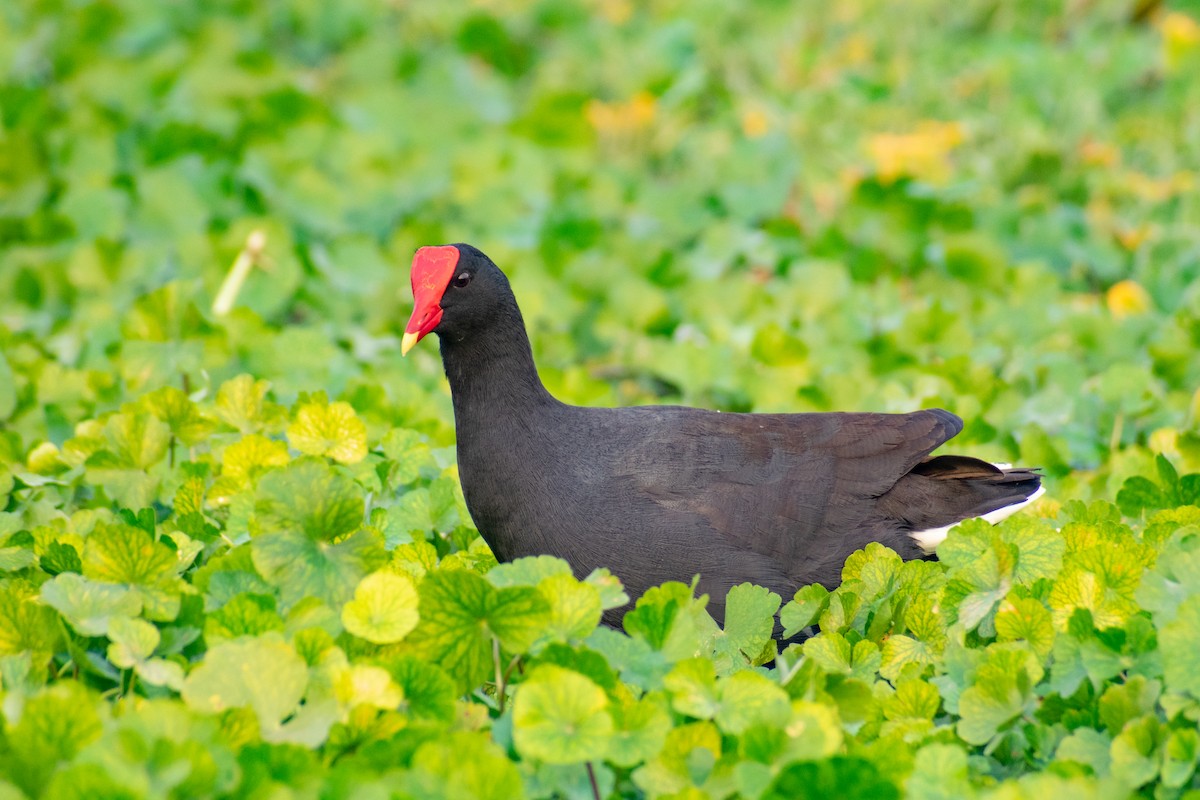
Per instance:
x=1114, y=441
x=250, y=256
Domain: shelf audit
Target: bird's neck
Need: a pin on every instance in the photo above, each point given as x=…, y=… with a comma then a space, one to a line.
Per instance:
x=493, y=371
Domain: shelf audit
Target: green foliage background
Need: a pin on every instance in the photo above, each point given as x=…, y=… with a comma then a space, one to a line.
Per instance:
x=235, y=558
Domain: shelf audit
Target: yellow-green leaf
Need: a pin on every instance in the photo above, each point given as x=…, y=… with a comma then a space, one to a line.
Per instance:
x=384, y=608
x=332, y=430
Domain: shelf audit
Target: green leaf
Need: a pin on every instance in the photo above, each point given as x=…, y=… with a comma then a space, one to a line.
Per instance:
x=1026, y=619
x=1181, y=754
x=913, y=699
x=685, y=760
x=517, y=616
x=977, y=587
x=748, y=698
x=13, y=559
x=160, y=672
x=137, y=441
x=384, y=608
x=584, y=660
x=408, y=451
x=561, y=717
x=899, y=651
x=1177, y=643
x=924, y=620
x=8, y=389
x=263, y=673
x=460, y=612
x=329, y=429
x=1176, y=575
x=26, y=626
x=527, y=571
x=834, y=653
x=1123, y=702
x=669, y=619
x=181, y=415
x=574, y=606
x=692, y=684
x=847, y=777
x=453, y=611
x=612, y=593
x=90, y=606
x=242, y=404
x=133, y=640
x=462, y=764
x=750, y=617
x=804, y=609
x=1135, y=757
x=250, y=456
x=300, y=566
x=429, y=693
x=53, y=728
x=774, y=346
x=640, y=728
x=414, y=559
x=940, y=772
x=59, y=558
x=121, y=553
x=1000, y=694
x=1140, y=494
x=308, y=497
x=1039, y=546
x=1089, y=747
x=244, y=614
x=817, y=731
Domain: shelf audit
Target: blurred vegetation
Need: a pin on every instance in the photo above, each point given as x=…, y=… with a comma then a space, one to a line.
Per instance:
x=756, y=206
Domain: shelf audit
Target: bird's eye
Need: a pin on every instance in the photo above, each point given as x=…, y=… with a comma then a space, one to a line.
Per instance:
x=462, y=280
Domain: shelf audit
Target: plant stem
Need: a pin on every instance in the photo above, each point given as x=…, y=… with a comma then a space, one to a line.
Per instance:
x=592, y=778
x=511, y=665
x=499, y=674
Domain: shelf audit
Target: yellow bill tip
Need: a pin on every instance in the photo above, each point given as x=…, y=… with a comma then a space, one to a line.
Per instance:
x=407, y=343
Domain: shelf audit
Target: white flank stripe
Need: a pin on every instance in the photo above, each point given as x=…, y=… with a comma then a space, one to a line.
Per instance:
x=931, y=538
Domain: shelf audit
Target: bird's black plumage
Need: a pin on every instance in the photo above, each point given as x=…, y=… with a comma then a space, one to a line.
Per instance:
x=661, y=493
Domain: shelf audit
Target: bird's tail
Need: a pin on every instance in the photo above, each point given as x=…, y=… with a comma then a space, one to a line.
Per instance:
x=943, y=491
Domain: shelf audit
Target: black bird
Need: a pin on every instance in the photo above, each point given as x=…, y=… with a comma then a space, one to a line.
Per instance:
x=659, y=493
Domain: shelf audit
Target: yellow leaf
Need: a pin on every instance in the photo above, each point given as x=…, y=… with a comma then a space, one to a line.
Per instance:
x=617, y=119
x=242, y=403
x=1180, y=37
x=329, y=430
x=755, y=123
x=1165, y=441
x=923, y=153
x=384, y=608
x=44, y=459
x=252, y=453
x=1127, y=298
x=361, y=684
x=1099, y=154
x=618, y=12
x=1157, y=190
x=1131, y=238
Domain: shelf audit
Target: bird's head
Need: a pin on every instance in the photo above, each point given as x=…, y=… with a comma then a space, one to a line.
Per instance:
x=455, y=291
